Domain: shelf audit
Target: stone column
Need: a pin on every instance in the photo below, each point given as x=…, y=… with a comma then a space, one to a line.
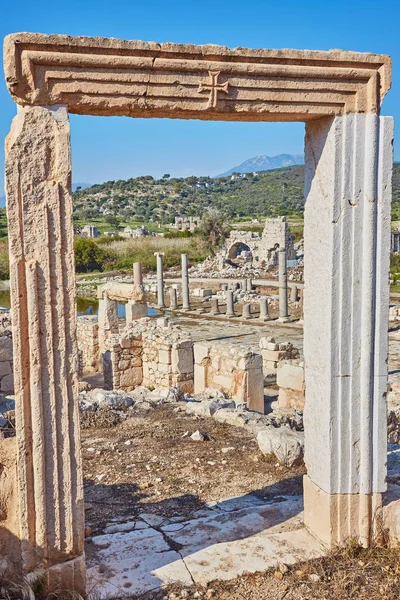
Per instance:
x=230, y=306
x=264, y=314
x=42, y=282
x=185, y=283
x=160, y=280
x=173, y=301
x=293, y=293
x=249, y=285
x=108, y=319
x=246, y=312
x=283, y=287
x=347, y=237
x=214, y=306
x=137, y=273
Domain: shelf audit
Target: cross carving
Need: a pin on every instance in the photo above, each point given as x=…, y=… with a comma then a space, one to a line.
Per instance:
x=213, y=87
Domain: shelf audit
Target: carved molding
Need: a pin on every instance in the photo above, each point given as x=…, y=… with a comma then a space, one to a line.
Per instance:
x=100, y=76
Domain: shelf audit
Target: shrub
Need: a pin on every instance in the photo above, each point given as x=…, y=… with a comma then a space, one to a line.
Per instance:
x=88, y=255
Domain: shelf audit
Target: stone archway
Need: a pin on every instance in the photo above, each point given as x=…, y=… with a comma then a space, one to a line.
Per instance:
x=236, y=250
x=347, y=236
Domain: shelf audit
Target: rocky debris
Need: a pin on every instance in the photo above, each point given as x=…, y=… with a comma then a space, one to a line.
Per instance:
x=198, y=436
x=207, y=408
x=287, y=445
x=393, y=424
x=7, y=417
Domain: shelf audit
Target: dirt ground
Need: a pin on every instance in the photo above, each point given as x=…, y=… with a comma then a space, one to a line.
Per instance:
x=148, y=463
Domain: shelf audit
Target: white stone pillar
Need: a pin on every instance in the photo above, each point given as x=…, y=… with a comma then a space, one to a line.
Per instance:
x=293, y=293
x=107, y=318
x=283, y=287
x=185, y=283
x=246, y=311
x=137, y=273
x=264, y=313
x=42, y=281
x=160, y=279
x=347, y=238
x=230, y=305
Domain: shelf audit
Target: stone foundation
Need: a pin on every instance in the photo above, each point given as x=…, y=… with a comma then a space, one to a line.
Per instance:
x=234, y=370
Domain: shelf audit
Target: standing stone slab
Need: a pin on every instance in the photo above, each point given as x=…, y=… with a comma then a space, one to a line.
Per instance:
x=347, y=237
x=42, y=281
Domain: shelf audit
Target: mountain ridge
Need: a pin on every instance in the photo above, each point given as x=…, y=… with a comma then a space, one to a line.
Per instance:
x=262, y=162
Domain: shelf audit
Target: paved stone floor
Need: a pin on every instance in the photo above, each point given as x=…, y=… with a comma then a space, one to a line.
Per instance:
x=227, y=539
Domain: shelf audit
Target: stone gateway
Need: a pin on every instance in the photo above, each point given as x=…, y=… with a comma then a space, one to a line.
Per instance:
x=347, y=236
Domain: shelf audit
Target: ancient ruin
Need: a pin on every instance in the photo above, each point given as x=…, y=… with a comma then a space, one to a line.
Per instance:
x=348, y=149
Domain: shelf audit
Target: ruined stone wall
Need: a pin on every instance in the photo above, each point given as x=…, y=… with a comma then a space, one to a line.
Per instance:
x=122, y=361
x=235, y=370
x=6, y=354
x=276, y=235
x=149, y=353
x=88, y=343
x=273, y=353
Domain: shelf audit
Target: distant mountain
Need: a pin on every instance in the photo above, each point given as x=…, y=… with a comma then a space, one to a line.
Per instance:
x=266, y=163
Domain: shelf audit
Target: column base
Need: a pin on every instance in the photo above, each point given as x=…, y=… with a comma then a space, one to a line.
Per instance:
x=69, y=575
x=283, y=319
x=335, y=519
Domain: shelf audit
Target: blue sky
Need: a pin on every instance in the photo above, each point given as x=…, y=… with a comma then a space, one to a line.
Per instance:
x=114, y=148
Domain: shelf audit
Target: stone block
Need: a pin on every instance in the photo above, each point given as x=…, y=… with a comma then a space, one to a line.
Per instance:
x=5, y=368
x=290, y=376
x=164, y=356
x=200, y=351
x=289, y=398
x=200, y=378
x=7, y=383
x=182, y=360
x=6, y=348
x=131, y=378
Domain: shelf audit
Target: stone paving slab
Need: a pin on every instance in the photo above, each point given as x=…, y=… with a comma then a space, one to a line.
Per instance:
x=238, y=535
x=256, y=553
x=132, y=563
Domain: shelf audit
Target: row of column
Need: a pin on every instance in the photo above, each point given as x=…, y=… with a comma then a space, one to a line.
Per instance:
x=283, y=290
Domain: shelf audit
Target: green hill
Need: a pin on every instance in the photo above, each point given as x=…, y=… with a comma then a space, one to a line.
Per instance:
x=265, y=194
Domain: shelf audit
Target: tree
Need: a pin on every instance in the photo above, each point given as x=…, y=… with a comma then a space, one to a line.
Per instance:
x=166, y=176
x=214, y=228
x=88, y=255
x=113, y=221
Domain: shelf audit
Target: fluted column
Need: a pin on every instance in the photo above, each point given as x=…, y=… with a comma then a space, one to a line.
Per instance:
x=42, y=281
x=347, y=238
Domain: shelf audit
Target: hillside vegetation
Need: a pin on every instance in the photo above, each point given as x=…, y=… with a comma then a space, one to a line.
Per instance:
x=144, y=199
x=268, y=193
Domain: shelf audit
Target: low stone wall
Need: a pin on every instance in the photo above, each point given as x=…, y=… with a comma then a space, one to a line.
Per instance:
x=122, y=361
x=88, y=343
x=6, y=354
x=167, y=358
x=235, y=370
x=149, y=353
x=290, y=379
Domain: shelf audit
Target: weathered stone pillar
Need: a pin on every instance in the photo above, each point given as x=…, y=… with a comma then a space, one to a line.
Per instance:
x=283, y=287
x=160, y=280
x=108, y=319
x=230, y=306
x=215, y=306
x=246, y=311
x=173, y=300
x=264, y=314
x=293, y=293
x=185, y=283
x=42, y=279
x=347, y=237
x=137, y=273
x=249, y=285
